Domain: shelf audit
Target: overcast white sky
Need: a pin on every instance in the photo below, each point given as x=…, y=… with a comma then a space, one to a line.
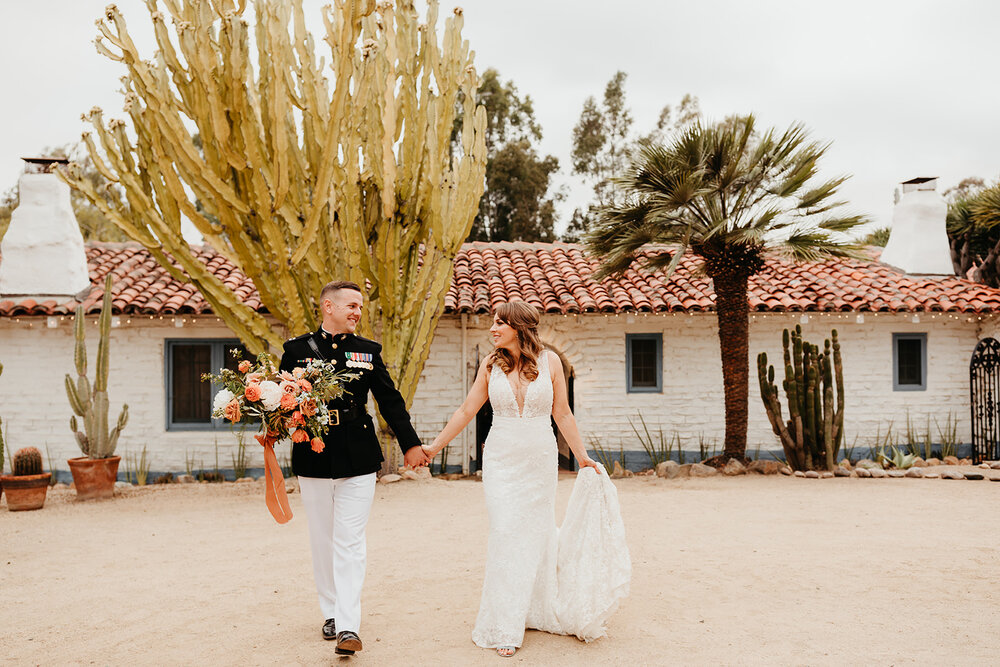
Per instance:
x=902, y=89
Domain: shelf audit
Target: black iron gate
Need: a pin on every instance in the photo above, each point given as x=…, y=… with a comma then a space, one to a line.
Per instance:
x=984, y=378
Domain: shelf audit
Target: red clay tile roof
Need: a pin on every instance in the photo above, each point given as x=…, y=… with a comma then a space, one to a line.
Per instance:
x=556, y=278
x=140, y=285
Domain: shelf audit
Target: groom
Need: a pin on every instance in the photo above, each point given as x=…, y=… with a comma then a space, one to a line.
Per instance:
x=338, y=483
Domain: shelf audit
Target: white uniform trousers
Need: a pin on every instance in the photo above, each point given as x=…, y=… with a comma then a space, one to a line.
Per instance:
x=337, y=511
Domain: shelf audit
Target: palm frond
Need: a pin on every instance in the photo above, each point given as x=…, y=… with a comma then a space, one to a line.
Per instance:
x=815, y=246
x=844, y=224
x=668, y=261
x=819, y=194
x=724, y=185
x=828, y=206
x=985, y=207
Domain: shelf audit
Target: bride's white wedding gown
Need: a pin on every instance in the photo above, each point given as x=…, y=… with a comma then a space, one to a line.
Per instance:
x=562, y=580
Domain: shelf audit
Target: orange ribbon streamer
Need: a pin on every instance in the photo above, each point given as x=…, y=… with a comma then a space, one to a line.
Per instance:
x=275, y=495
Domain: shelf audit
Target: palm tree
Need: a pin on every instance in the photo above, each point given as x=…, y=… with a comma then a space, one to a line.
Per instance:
x=974, y=231
x=729, y=195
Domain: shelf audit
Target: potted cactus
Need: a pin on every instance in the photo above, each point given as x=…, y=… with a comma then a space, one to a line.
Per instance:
x=95, y=472
x=1, y=445
x=26, y=488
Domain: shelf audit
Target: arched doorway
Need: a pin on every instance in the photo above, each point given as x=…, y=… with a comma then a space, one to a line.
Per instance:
x=484, y=418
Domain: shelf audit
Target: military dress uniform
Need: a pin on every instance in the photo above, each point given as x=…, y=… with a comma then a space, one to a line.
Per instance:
x=338, y=484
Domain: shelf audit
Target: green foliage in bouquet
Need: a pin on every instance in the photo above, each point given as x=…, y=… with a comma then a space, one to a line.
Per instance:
x=96, y=441
x=289, y=404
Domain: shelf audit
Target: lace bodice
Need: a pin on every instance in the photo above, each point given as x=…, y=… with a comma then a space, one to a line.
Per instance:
x=537, y=396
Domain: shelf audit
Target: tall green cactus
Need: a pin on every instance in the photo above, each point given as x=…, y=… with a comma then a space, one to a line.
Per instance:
x=299, y=168
x=814, y=392
x=26, y=461
x=96, y=442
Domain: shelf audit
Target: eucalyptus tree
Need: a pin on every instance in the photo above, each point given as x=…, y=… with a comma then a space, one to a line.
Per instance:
x=601, y=138
x=603, y=144
x=730, y=195
x=517, y=204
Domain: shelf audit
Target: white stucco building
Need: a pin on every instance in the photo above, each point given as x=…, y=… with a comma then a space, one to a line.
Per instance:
x=643, y=345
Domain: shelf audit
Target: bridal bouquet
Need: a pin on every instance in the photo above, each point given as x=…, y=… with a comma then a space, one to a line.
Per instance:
x=290, y=405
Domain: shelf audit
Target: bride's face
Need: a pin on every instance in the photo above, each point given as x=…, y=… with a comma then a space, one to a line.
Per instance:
x=503, y=334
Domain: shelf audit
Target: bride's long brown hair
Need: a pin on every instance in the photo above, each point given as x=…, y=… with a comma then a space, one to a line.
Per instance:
x=523, y=318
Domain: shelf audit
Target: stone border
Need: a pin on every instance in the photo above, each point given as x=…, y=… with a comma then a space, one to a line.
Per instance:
x=864, y=469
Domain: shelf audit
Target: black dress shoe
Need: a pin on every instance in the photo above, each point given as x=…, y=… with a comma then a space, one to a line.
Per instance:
x=329, y=629
x=347, y=643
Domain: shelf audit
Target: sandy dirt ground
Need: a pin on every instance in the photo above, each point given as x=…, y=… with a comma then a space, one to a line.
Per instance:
x=742, y=571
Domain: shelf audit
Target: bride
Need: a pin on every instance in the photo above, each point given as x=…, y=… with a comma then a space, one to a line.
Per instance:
x=565, y=581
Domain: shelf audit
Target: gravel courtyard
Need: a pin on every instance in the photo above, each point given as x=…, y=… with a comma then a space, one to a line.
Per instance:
x=746, y=571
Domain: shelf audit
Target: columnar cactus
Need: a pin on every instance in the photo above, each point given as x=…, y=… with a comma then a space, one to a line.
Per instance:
x=813, y=381
x=300, y=169
x=91, y=403
x=26, y=461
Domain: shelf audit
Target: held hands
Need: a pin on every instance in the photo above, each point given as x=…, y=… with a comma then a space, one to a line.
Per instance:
x=415, y=457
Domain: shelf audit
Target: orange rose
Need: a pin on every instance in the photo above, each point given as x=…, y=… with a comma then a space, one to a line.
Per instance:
x=252, y=392
x=317, y=445
x=289, y=387
x=232, y=411
x=288, y=402
x=298, y=419
x=308, y=407
x=306, y=385
x=244, y=366
x=298, y=373
x=300, y=435
x=255, y=377
x=285, y=375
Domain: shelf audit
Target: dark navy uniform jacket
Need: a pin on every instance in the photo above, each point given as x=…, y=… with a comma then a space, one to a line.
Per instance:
x=352, y=447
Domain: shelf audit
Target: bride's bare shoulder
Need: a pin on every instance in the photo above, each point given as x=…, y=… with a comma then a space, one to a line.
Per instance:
x=555, y=364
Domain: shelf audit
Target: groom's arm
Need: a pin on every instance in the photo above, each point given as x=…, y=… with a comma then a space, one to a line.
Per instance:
x=391, y=404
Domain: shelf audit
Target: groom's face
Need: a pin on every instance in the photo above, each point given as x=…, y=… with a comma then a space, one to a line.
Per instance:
x=342, y=310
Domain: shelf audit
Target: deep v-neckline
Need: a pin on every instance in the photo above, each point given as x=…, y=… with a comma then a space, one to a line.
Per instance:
x=527, y=388
x=520, y=408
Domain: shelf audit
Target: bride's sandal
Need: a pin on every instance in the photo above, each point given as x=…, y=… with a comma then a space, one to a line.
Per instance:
x=506, y=651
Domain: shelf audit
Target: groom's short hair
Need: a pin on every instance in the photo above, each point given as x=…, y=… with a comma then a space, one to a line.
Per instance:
x=335, y=286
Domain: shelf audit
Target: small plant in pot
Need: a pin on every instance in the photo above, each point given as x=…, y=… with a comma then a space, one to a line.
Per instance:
x=95, y=472
x=27, y=486
x=1, y=445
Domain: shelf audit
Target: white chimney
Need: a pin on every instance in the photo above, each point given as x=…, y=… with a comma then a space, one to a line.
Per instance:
x=42, y=253
x=918, y=241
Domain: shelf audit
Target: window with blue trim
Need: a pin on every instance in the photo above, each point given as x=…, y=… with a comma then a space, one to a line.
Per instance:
x=644, y=362
x=909, y=361
x=189, y=400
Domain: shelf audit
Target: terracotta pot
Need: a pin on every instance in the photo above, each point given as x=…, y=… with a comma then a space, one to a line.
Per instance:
x=25, y=492
x=94, y=478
